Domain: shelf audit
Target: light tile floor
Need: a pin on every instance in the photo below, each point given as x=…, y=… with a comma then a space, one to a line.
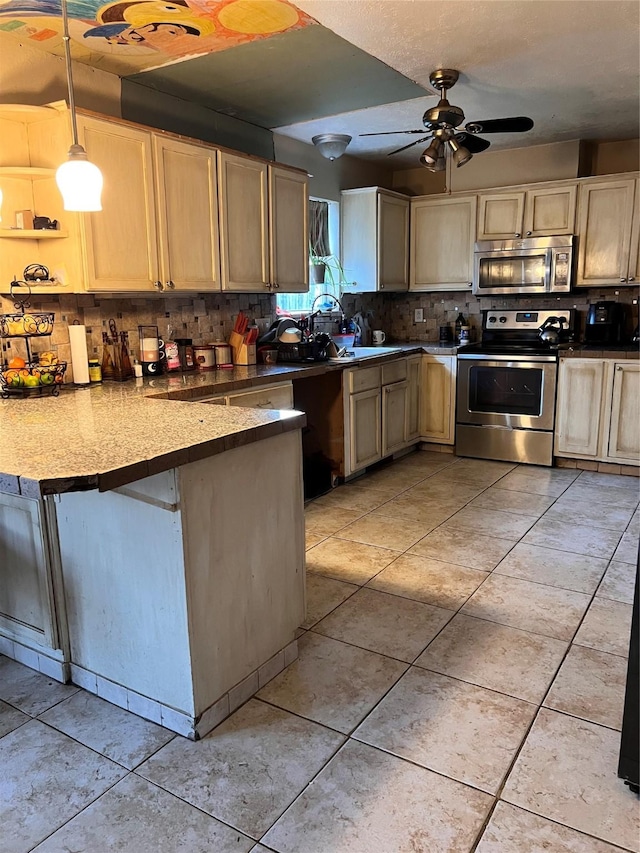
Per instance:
x=459, y=688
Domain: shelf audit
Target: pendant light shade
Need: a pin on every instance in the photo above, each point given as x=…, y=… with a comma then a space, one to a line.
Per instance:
x=79, y=180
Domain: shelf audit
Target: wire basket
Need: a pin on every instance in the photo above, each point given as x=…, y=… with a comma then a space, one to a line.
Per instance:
x=31, y=324
x=32, y=379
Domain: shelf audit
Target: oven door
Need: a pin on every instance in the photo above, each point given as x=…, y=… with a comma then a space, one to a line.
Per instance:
x=507, y=391
x=512, y=271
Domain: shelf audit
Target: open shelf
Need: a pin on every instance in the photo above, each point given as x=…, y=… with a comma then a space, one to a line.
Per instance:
x=33, y=233
x=29, y=172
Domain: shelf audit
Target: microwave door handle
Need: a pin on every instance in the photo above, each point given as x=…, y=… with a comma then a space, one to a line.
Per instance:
x=549, y=269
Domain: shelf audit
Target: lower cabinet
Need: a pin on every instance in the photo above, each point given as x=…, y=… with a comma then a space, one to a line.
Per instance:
x=437, y=398
x=381, y=406
x=598, y=410
x=276, y=396
x=28, y=613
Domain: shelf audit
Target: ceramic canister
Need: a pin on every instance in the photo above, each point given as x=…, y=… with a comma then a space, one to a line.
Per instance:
x=205, y=356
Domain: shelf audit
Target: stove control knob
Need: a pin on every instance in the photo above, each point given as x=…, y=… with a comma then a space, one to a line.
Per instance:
x=492, y=319
x=503, y=319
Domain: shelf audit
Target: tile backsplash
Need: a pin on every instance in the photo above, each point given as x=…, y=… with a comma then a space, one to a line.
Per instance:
x=394, y=312
x=204, y=318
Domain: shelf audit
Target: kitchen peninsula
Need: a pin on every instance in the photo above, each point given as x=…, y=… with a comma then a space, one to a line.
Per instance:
x=142, y=554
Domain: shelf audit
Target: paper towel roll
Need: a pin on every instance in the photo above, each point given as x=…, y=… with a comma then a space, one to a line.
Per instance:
x=79, y=355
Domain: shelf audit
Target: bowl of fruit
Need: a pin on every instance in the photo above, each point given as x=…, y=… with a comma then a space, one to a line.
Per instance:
x=27, y=324
x=21, y=377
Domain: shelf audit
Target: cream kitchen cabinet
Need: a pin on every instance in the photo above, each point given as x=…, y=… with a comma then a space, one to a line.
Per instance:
x=374, y=242
x=187, y=215
x=606, y=210
x=263, y=226
x=443, y=231
x=536, y=212
x=29, y=607
x=437, y=398
x=381, y=411
x=158, y=228
x=278, y=395
x=598, y=410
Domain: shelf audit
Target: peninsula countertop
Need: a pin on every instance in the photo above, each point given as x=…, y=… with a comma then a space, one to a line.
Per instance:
x=105, y=436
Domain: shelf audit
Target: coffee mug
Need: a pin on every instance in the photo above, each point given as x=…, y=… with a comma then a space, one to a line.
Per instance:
x=379, y=337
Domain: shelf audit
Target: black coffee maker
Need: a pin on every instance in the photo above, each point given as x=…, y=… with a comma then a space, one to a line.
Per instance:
x=605, y=323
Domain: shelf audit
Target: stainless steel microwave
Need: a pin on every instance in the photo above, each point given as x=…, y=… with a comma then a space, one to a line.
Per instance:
x=538, y=265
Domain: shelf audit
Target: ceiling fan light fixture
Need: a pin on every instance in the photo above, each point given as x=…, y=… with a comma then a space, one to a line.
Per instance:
x=461, y=155
x=331, y=145
x=431, y=155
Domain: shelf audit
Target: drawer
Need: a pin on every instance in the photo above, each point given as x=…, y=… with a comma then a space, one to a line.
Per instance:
x=214, y=401
x=365, y=379
x=396, y=371
x=278, y=396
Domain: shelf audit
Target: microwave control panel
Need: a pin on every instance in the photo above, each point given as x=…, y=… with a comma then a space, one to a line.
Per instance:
x=561, y=274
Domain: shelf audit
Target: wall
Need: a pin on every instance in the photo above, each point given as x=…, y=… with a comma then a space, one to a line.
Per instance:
x=553, y=162
x=32, y=76
x=394, y=312
x=329, y=177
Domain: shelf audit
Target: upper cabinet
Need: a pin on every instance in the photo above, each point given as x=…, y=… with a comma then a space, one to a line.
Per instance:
x=263, y=226
x=288, y=230
x=605, y=230
x=375, y=239
x=537, y=212
x=442, y=237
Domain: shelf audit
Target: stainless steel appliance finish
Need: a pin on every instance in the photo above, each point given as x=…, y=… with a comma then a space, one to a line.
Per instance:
x=538, y=265
x=506, y=389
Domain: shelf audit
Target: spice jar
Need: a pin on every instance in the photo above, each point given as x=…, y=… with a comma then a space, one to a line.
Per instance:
x=95, y=371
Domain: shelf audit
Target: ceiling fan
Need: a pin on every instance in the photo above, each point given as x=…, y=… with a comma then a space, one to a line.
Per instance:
x=441, y=123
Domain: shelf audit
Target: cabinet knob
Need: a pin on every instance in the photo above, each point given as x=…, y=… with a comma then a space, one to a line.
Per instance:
x=470, y=284
x=619, y=367
x=623, y=279
x=276, y=286
x=158, y=285
x=170, y=285
x=382, y=287
x=268, y=285
x=631, y=278
x=528, y=233
x=518, y=234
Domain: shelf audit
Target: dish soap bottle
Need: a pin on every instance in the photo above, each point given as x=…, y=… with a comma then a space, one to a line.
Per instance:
x=460, y=322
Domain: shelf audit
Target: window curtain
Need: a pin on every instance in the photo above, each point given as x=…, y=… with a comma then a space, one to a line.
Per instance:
x=319, y=228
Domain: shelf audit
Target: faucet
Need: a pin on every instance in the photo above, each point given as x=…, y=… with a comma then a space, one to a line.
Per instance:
x=331, y=296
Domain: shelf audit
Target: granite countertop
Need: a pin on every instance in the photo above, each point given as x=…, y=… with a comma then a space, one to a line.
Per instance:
x=105, y=436
x=618, y=351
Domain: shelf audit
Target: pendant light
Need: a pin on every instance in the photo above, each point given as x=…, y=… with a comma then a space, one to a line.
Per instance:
x=79, y=180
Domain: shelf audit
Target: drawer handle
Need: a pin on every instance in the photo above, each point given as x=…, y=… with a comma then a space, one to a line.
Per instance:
x=170, y=284
x=158, y=285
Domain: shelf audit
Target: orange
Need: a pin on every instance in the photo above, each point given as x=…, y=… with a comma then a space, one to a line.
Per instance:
x=16, y=362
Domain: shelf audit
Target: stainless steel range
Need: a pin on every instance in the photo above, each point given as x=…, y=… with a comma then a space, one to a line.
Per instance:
x=506, y=389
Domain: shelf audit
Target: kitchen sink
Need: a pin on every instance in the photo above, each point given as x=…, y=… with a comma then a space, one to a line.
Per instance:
x=358, y=353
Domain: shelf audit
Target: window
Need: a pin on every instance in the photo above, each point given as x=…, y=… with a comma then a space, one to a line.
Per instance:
x=324, y=235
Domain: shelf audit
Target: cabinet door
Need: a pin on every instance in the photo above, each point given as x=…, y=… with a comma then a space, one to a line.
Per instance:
x=289, y=230
x=120, y=240
x=413, y=398
x=243, y=223
x=394, y=416
x=25, y=598
x=624, y=430
x=550, y=210
x=579, y=403
x=634, y=261
x=441, y=248
x=364, y=428
x=187, y=215
x=437, y=398
x=500, y=215
x=605, y=213
x=393, y=242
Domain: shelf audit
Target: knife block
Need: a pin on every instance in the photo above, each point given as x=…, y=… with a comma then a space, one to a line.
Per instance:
x=242, y=353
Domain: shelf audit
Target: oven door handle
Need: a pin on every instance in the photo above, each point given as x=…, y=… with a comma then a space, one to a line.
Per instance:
x=514, y=357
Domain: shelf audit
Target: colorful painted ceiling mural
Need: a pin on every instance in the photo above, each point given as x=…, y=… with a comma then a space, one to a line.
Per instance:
x=127, y=36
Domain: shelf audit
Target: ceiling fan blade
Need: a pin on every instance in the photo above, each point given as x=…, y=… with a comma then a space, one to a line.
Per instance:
x=387, y=132
x=410, y=145
x=517, y=124
x=474, y=144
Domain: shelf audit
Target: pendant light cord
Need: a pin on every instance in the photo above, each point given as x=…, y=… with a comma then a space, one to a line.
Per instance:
x=67, y=55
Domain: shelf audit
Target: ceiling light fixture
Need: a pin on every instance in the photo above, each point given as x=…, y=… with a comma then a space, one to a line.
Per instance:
x=331, y=145
x=79, y=180
x=431, y=155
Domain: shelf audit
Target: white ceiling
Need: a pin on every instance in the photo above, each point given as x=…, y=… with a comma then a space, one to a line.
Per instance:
x=571, y=65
